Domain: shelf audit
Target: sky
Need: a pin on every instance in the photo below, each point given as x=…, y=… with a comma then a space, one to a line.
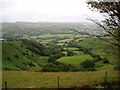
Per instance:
x=46, y=11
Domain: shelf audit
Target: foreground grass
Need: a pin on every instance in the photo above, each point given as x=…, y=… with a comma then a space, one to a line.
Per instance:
x=29, y=79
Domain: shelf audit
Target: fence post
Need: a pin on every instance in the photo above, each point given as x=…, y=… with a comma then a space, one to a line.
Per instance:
x=5, y=85
x=105, y=79
x=58, y=82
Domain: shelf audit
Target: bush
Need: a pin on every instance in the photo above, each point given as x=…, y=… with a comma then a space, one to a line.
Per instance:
x=117, y=67
x=52, y=58
x=88, y=64
x=70, y=53
x=105, y=60
x=30, y=64
x=16, y=56
x=58, y=67
x=96, y=57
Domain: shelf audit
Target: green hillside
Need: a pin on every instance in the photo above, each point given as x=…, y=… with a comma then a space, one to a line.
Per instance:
x=17, y=57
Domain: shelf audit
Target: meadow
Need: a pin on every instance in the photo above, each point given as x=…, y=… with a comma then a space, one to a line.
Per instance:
x=75, y=60
x=25, y=79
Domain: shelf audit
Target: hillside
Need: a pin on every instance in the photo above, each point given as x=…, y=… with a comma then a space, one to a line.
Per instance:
x=30, y=55
x=17, y=57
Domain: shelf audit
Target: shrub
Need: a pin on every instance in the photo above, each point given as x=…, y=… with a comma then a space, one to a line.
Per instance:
x=105, y=60
x=57, y=67
x=8, y=58
x=16, y=56
x=70, y=53
x=88, y=64
x=117, y=67
x=30, y=64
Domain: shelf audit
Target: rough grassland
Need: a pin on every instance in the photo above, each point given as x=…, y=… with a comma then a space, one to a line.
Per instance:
x=29, y=79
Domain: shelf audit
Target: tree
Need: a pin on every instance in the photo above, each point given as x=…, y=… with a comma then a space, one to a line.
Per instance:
x=111, y=12
x=70, y=53
x=105, y=60
x=88, y=64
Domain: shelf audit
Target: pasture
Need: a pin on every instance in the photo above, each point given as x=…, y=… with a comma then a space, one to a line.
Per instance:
x=30, y=79
x=75, y=60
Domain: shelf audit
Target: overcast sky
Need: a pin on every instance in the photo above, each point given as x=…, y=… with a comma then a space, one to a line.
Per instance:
x=46, y=11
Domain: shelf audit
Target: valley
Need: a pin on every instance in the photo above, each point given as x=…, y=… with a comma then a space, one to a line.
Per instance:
x=55, y=49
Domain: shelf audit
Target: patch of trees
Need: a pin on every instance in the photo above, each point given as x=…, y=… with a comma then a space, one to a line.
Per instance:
x=70, y=53
x=105, y=60
x=72, y=43
x=88, y=51
x=43, y=50
x=52, y=49
x=52, y=58
x=16, y=56
x=58, y=67
x=88, y=65
x=30, y=64
x=33, y=46
x=117, y=67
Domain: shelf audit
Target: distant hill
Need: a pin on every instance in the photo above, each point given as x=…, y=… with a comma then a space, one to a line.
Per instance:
x=23, y=29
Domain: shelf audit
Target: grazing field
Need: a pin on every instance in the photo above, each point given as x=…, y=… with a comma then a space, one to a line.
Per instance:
x=76, y=52
x=71, y=48
x=25, y=79
x=75, y=60
x=100, y=47
x=65, y=40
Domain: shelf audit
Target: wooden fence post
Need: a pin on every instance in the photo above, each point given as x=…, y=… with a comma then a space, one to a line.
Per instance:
x=5, y=85
x=58, y=82
x=105, y=79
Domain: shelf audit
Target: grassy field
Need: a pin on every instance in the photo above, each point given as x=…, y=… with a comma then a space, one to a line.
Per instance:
x=75, y=60
x=76, y=52
x=100, y=47
x=65, y=40
x=29, y=79
x=71, y=48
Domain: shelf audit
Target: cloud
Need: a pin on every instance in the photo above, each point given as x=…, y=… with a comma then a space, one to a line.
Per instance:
x=45, y=10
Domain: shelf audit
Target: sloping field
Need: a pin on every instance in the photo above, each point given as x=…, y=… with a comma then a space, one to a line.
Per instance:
x=29, y=79
x=76, y=60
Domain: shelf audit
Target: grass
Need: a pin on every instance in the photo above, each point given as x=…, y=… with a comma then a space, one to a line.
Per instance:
x=75, y=60
x=11, y=62
x=76, y=52
x=106, y=67
x=100, y=47
x=30, y=79
x=71, y=48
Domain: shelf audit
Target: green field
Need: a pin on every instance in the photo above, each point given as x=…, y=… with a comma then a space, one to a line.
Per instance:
x=71, y=48
x=65, y=40
x=25, y=79
x=76, y=52
x=75, y=60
